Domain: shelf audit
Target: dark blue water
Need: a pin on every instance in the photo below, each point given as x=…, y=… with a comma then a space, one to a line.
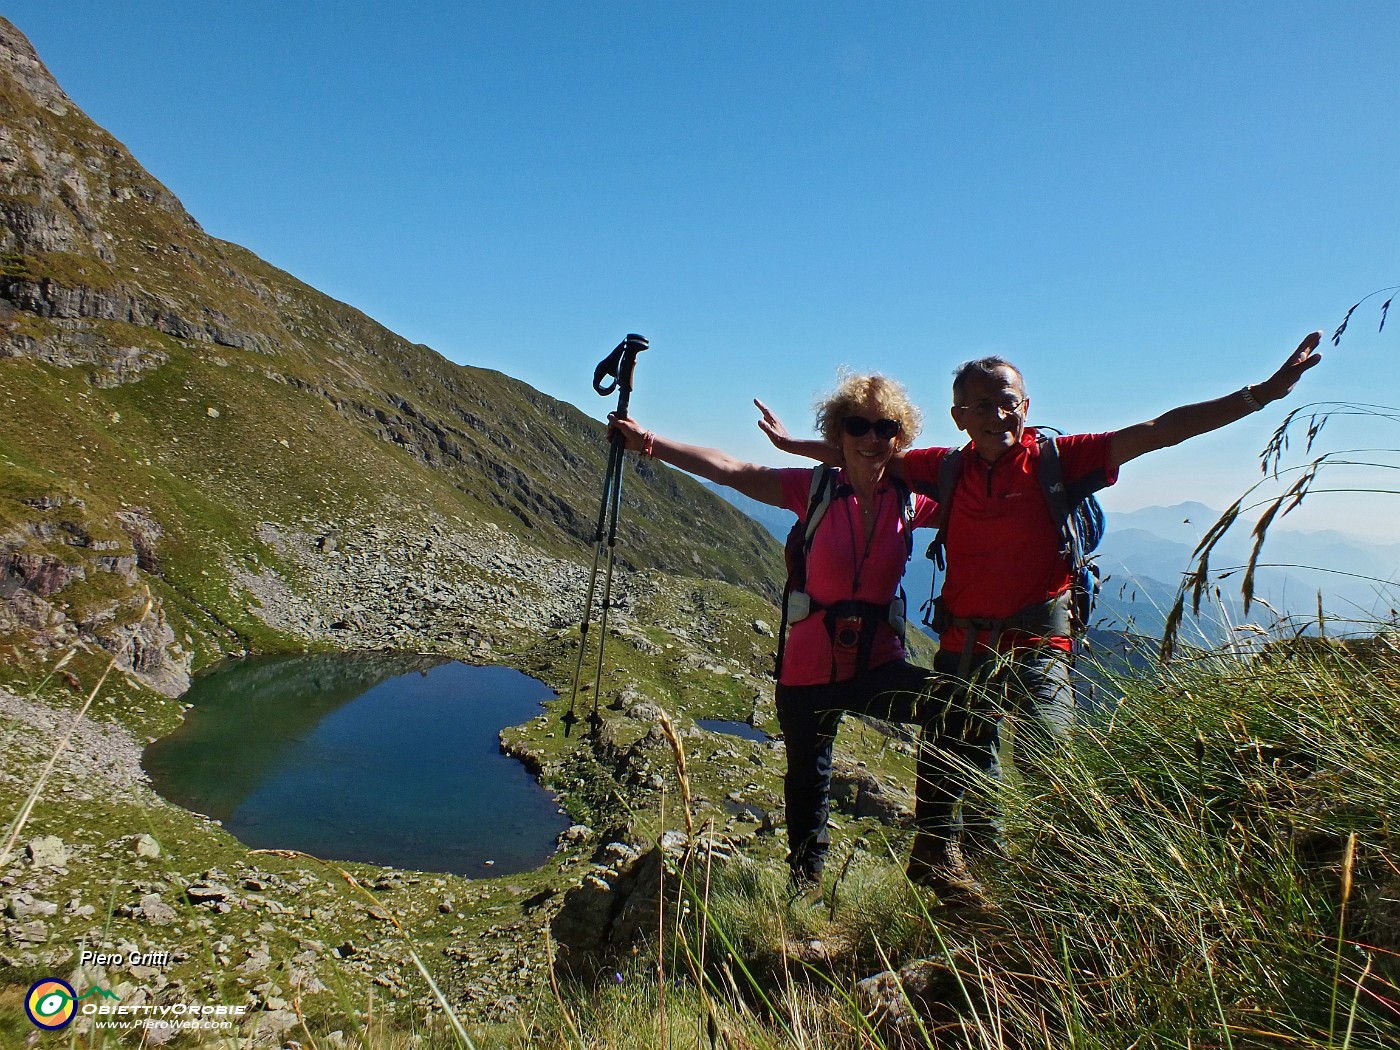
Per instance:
x=743, y=729
x=377, y=758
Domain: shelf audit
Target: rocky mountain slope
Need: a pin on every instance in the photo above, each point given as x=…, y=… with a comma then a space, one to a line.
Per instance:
x=202, y=457
x=182, y=416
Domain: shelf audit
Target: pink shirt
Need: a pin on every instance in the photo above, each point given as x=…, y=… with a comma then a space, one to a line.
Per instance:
x=1003, y=550
x=842, y=567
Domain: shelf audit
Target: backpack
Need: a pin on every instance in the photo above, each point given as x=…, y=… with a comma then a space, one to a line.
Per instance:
x=797, y=603
x=1074, y=509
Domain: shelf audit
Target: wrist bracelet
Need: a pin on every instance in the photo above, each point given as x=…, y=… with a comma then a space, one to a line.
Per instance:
x=1253, y=402
x=649, y=444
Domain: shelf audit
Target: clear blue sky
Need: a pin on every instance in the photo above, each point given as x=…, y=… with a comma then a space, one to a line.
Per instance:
x=1141, y=204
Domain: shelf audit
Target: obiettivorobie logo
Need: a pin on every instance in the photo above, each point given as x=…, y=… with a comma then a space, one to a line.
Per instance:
x=52, y=1004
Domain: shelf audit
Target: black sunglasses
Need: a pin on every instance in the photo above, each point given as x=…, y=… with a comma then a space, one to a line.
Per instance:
x=859, y=426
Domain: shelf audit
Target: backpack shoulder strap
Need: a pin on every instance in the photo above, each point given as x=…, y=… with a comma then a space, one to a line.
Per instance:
x=1052, y=481
x=1062, y=502
x=818, y=500
x=1070, y=501
x=949, y=471
x=906, y=513
x=799, y=542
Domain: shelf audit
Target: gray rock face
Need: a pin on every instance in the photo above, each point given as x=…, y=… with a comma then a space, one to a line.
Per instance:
x=40, y=574
x=925, y=995
x=24, y=905
x=204, y=892
x=860, y=793
x=59, y=548
x=155, y=911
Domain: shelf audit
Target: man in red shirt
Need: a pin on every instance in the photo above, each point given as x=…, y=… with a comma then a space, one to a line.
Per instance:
x=1006, y=592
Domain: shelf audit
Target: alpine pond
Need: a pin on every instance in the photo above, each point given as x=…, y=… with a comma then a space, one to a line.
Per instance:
x=379, y=758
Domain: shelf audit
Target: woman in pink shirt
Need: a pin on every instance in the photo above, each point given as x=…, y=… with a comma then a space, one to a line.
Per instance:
x=846, y=654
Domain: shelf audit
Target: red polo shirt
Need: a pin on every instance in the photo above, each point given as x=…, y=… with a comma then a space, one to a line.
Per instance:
x=1003, y=549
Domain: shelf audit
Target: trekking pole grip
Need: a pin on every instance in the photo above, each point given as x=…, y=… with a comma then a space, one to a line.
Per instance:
x=618, y=366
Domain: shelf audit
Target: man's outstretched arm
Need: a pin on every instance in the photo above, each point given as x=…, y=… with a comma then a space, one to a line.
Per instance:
x=810, y=448
x=1181, y=424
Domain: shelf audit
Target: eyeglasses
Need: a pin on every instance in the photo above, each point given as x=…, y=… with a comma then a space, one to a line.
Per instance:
x=1007, y=406
x=859, y=426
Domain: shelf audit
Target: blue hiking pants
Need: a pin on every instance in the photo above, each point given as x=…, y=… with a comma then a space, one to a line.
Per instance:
x=1033, y=683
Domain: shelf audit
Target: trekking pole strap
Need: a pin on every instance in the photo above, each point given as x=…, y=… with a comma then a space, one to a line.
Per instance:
x=618, y=366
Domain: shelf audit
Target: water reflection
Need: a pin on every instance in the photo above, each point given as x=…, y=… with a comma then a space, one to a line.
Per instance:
x=740, y=729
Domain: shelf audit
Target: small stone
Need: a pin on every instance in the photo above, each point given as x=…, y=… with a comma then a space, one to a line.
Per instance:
x=208, y=893
x=48, y=851
x=258, y=960
x=35, y=932
x=573, y=835
x=155, y=911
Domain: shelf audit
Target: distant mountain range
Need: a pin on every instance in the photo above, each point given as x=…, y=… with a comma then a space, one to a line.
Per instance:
x=1146, y=552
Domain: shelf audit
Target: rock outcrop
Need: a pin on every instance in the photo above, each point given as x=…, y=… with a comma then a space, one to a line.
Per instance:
x=615, y=907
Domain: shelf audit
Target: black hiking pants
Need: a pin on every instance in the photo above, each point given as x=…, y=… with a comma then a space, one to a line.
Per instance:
x=809, y=715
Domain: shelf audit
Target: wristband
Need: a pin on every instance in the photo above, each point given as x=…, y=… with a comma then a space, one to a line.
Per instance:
x=649, y=444
x=1249, y=399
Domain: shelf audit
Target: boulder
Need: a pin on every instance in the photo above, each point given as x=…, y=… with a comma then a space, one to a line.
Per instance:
x=48, y=851
x=616, y=905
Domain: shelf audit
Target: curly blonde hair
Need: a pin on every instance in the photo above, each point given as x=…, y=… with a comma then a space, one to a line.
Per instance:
x=853, y=391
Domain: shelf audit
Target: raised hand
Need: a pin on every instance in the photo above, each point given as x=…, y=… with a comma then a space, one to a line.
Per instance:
x=773, y=426
x=633, y=435
x=1282, y=382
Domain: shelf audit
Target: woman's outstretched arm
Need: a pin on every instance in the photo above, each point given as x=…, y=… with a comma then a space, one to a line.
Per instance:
x=761, y=483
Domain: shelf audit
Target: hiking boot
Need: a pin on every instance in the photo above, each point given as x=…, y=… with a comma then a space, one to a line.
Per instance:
x=938, y=864
x=805, y=885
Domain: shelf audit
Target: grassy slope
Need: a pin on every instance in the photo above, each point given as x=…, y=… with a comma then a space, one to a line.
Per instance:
x=311, y=388
x=1214, y=867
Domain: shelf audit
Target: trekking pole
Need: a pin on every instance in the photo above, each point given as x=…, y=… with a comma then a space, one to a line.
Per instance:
x=616, y=367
